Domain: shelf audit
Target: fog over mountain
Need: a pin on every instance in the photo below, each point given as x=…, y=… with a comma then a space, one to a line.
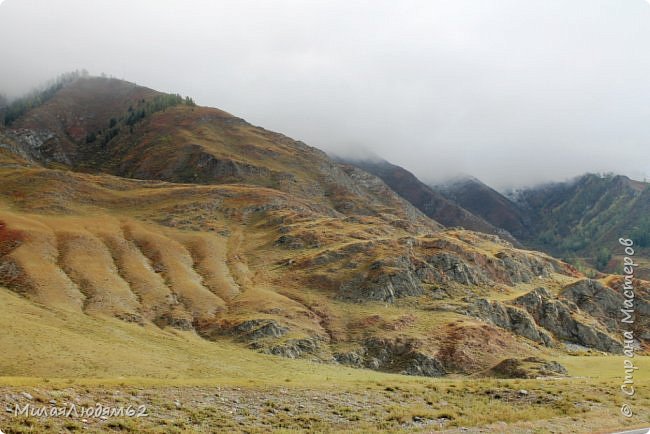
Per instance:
x=511, y=92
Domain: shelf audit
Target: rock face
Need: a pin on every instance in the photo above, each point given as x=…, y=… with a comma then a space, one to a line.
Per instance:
x=295, y=348
x=594, y=298
x=454, y=269
x=604, y=303
x=297, y=242
x=541, y=317
x=557, y=317
x=385, y=281
x=423, y=365
x=259, y=328
x=511, y=318
x=418, y=265
x=522, y=268
x=531, y=367
x=400, y=355
x=36, y=145
x=263, y=334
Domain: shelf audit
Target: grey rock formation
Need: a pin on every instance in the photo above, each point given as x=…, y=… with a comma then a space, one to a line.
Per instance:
x=351, y=358
x=418, y=267
x=523, y=268
x=511, y=318
x=399, y=355
x=605, y=303
x=259, y=328
x=35, y=146
x=384, y=281
x=455, y=269
x=557, y=317
x=423, y=365
x=295, y=348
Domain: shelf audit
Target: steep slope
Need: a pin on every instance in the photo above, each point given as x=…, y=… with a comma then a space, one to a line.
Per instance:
x=579, y=220
x=495, y=208
x=111, y=126
x=185, y=217
x=64, y=120
x=429, y=201
x=588, y=211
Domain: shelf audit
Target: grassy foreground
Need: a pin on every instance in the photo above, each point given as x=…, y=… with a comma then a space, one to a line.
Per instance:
x=56, y=358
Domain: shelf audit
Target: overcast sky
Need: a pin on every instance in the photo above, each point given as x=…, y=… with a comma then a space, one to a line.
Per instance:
x=513, y=92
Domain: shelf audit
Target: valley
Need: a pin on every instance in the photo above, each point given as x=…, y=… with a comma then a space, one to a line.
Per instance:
x=155, y=251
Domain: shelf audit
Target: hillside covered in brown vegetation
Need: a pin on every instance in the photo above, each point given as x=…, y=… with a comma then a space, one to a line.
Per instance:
x=120, y=201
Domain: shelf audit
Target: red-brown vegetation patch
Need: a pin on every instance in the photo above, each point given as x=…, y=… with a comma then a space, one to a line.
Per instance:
x=402, y=322
x=9, y=238
x=469, y=348
x=369, y=321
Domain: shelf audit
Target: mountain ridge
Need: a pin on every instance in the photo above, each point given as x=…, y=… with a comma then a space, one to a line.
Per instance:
x=581, y=218
x=191, y=219
x=428, y=200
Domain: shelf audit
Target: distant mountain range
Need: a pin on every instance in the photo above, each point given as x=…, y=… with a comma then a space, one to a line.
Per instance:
x=579, y=220
x=430, y=200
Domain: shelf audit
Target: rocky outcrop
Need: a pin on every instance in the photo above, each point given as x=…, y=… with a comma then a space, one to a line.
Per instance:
x=423, y=365
x=603, y=302
x=226, y=169
x=406, y=275
x=453, y=268
x=352, y=358
x=524, y=268
x=558, y=317
x=295, y=348
x=456, y=262
x=176, y=319
x=400, y=355
x=255, y=329
x=263, y=334
x=366, y=184
x=36, y=146
x=410, y=272
x=511, y=318
x=381, y=284
x=384, y=280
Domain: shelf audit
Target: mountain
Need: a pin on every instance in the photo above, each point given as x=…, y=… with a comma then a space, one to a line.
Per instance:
x=588, y=211
x=580, y=220
x=482, y=200
x=448, y=212
x=121, y=202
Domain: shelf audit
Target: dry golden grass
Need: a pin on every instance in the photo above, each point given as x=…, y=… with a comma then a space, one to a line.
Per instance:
x=83, y=250
x=150, y=288
x=210, y=255
x=175, y=263
x=51, y=349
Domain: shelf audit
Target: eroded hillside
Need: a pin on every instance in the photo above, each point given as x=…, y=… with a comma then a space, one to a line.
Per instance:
x=189, y=218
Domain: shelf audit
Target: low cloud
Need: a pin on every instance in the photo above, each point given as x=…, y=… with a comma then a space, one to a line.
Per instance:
x=511, y=92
